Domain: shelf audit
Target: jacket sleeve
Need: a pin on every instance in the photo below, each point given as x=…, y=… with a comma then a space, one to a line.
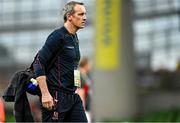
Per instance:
x=47, y=53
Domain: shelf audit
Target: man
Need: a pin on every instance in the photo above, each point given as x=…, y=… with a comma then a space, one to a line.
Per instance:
x=58, y=85
x=85, y=90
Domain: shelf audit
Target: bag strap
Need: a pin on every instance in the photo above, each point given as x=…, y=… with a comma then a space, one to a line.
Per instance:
x=51, y=63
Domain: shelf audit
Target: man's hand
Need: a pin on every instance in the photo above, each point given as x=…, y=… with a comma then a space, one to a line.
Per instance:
x=47, y=100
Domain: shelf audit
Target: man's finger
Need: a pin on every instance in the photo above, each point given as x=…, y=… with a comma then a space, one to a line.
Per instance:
x=45, y=105
x=48, y=105
x=51, y=103
x=50, y=108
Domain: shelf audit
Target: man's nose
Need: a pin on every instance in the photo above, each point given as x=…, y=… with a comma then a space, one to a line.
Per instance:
x=84, y=17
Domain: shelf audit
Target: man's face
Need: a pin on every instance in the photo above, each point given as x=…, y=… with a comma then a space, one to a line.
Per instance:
x=78, y=18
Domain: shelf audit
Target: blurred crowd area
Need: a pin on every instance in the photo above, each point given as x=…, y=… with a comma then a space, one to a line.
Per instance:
x=25, y=25
x=160, y=80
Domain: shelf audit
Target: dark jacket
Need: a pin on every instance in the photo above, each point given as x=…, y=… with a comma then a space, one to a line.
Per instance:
x=16, y=92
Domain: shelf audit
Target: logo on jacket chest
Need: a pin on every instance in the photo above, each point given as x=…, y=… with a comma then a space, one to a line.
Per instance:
x=70, y=47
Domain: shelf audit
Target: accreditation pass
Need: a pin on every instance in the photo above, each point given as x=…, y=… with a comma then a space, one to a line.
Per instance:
x=77, y=78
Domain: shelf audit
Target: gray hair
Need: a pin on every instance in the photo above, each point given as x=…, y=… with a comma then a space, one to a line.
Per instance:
x=69, y=8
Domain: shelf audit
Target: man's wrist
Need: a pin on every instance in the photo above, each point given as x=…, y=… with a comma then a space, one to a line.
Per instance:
x=45, y=92
x=43, y=85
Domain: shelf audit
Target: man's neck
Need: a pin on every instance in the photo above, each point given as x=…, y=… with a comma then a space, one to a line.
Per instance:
x=70, y=27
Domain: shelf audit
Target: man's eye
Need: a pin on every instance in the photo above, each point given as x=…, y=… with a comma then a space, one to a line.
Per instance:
x=82, y=14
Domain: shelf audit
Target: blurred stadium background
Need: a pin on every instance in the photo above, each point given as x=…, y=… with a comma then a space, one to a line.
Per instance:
x=140, y=82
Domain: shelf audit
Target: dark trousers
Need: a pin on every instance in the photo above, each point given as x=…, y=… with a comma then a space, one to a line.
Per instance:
x=68, y=108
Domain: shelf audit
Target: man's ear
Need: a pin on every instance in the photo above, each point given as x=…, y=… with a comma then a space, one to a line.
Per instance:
x=69, y=16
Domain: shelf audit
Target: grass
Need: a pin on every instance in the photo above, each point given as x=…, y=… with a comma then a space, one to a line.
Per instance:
x=172, y=115
x=10, y=118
